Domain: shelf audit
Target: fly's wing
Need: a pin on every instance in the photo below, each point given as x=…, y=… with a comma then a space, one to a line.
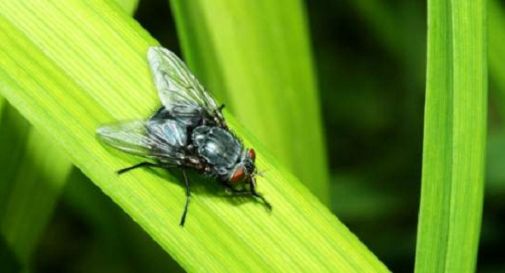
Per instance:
x=161, y=140
x=179, y=91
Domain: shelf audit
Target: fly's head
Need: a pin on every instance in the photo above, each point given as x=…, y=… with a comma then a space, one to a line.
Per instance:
x=244, y=171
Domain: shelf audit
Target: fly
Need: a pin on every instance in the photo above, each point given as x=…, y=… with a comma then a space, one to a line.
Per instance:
x=187, y=132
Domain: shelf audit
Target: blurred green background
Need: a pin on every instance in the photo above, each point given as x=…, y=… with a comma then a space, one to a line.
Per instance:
x=370, y=64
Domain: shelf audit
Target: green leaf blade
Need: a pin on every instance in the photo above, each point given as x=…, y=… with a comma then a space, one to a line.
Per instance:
x=59, y=69
x=454, y=139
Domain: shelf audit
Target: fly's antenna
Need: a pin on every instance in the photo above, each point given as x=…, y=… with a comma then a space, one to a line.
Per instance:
x=260, y=173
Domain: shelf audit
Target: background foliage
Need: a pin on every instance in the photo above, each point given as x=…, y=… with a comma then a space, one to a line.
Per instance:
x=370, y=62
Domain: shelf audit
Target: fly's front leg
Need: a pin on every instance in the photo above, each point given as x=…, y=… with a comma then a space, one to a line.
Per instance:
x=252, y=192
x=257, y=195
x=265, y=202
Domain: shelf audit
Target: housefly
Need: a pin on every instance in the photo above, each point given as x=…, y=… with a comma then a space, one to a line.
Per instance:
x=187, y=132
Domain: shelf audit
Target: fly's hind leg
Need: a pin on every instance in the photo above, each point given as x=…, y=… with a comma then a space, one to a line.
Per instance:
x=188, y=197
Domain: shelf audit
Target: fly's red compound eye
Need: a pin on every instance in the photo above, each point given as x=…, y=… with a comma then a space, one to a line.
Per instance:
x=237, y=175
x=252, y=154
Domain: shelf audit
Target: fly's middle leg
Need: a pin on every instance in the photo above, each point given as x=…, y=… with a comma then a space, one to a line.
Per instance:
x=188, y=197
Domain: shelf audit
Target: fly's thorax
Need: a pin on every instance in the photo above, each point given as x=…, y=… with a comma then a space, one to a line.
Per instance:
x=218, y=147
x=228, y=158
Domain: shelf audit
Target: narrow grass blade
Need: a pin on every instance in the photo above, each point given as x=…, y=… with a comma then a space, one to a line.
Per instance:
x=255, y=56
x=40, y=177
x=13, y=137
x=454, y=138
x=73, y=66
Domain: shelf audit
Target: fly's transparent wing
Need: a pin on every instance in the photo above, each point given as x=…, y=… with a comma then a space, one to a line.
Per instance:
x=179, y=91
x=162, y=140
